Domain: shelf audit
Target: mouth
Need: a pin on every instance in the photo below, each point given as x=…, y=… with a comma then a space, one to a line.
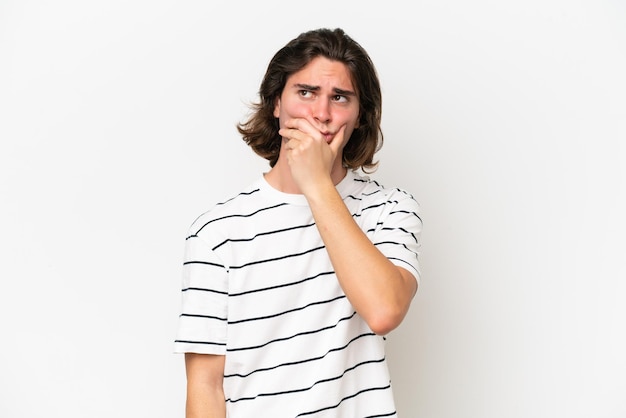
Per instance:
x=328, y=137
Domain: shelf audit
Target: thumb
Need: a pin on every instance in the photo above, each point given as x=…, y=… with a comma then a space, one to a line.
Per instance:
x=338, y=140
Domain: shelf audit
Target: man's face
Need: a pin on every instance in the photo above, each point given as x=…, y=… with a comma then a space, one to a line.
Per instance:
x=323, y=94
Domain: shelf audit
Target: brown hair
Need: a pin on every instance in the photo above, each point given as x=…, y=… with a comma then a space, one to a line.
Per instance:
x=260, y=131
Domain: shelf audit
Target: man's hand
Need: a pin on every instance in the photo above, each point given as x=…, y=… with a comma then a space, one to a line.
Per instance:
x=311, y=154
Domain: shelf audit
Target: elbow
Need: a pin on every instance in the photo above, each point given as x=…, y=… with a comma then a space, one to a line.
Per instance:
x=385, y=321
x=389, y=315
x=385, y=313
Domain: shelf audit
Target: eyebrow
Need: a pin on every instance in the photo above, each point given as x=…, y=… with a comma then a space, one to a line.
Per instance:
x=336, y=90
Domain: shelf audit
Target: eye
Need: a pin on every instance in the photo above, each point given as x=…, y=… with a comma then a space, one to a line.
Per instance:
x=339, y=98
x=305, y=93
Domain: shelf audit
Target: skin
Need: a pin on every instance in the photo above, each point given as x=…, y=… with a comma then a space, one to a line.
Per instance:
x=205, y=393
x=318, y=110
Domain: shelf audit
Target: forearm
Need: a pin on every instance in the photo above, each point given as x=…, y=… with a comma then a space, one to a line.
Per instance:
x=205, y=393
x=380, y=291
x=205, y=403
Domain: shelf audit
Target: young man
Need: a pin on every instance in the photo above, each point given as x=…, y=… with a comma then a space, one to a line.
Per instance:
x=290, y=286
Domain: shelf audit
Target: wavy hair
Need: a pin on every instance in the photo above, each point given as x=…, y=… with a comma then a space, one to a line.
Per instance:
x=260, y=130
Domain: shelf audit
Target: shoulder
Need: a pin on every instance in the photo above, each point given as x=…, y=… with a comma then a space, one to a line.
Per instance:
x=235, y=205
x=373, y=192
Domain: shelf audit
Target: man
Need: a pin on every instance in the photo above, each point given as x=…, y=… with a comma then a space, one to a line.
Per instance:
x=290, y=286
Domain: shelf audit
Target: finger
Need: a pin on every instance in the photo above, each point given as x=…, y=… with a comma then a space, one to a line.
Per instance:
x=290, y=134
x=335, y=144
x=304, y=126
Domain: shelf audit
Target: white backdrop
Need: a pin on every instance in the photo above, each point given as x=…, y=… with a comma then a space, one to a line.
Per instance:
x=505, y=119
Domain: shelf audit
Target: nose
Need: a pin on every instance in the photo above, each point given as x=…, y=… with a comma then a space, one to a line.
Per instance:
x=321, y=111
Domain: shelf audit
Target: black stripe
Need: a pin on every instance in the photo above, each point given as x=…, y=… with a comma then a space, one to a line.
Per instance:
x=393, y=229
x=393, y=243
x=344, y=399
x=199, y=342
x=276, y=258
x=226, y=201
x=408, y=212
x=353, y=197
x=254, y=347
x=377, y=205
x=235, y=216
x=201, y=289
x=330, y=379
x=208, y=263
x=405, y=231
x=293, y=363
x=286, y=312
x=262, y=234
x=235, y=197
x=405, y=262
x=390, y=414
x=375, y=192
x=399, y=259
x=396, y=202
x=367, y=180
x=263, y=289
x=203, y=316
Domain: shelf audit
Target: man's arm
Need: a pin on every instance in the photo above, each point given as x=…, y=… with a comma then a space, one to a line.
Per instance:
x=380, y=291
x=205, y=390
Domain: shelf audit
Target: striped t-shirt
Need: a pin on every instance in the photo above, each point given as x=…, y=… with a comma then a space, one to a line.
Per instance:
x=258, y=287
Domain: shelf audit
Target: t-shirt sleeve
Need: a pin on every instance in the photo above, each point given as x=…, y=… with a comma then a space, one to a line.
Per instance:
x=204, y=302
x=398, y=234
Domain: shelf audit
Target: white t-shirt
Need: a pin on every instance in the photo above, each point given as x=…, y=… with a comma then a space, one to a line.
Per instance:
x=258, y=287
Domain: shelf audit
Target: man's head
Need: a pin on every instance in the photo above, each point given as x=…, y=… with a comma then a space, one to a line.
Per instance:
x=261, y=130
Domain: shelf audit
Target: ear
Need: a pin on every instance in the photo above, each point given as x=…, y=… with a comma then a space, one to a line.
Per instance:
x=277, y=107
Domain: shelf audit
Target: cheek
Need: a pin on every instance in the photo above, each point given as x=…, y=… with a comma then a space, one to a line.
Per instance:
x=347, y=135
x=289, y=108
x=349, y=119
x=298, y=110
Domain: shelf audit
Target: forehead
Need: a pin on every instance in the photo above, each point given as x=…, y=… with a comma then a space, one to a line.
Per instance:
x=323, y=72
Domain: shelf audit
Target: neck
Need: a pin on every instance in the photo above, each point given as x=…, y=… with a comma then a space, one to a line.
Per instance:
x=280, y=178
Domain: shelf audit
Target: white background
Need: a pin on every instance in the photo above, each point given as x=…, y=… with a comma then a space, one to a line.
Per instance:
x=506, y=120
